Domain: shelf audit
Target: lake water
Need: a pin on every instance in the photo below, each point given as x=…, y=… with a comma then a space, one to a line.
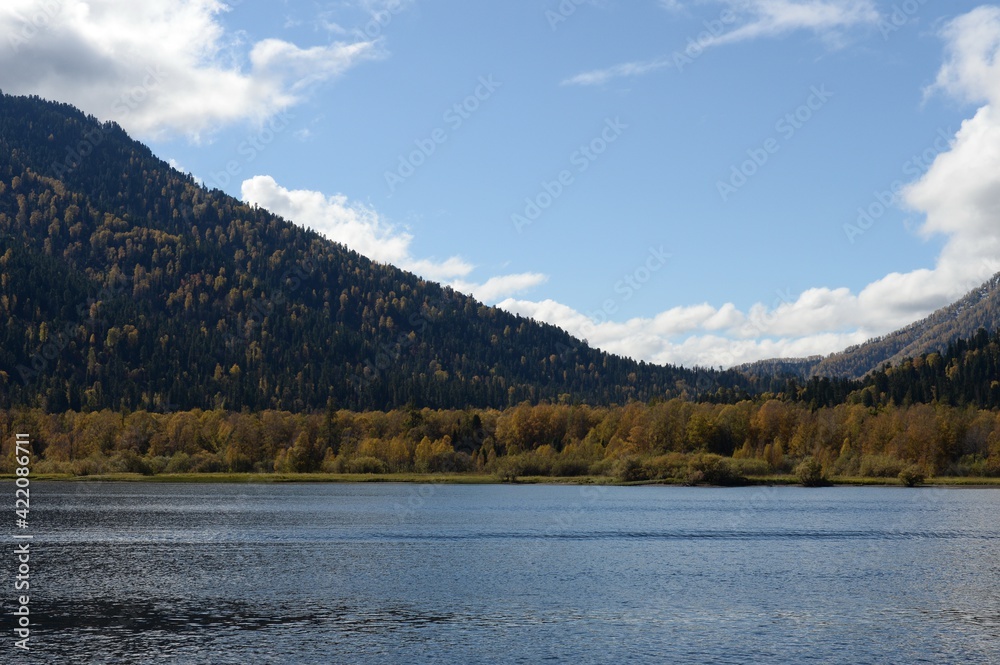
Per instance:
x=388, y=573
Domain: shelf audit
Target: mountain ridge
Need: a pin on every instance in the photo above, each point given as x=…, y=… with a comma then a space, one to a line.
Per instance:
x=978, y=309
x=127, y=285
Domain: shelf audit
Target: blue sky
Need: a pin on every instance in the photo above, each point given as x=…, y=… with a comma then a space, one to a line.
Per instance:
x=675, y=180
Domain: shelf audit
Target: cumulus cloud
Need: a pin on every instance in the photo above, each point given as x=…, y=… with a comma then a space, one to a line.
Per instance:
x=818, y=321
x=362, y=229
x=971, y=70
x=501, y=286
x=697, y=335
x=958, y=196
x=741, y=20
x=159, y=67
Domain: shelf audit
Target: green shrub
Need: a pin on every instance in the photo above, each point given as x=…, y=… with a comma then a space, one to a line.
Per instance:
x=810, y=473
x=128, y=461
x=366, y=465
x=672, y=466
x=51, y=466
x=713, y=470
x=570, y=468
x=847, y=465
x=205, y=462
x=95, y=465
x=751, y=467
x=976, y=466
x=507, y=469
x=533, y=464
x=881, y=466
x=179, y=463
x=331, y=463
x=629, y=469
x=911, y=476
x=601, y=467
x=158, y=464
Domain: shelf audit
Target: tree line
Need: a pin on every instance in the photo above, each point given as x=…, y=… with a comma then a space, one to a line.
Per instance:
x=672, y=439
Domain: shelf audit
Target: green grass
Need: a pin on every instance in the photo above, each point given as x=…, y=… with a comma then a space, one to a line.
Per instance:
x=469, y=479
x=450, y=478
x=942, y=481
x=435, y=478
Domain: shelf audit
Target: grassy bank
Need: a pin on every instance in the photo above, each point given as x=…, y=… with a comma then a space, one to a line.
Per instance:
x=473, y=479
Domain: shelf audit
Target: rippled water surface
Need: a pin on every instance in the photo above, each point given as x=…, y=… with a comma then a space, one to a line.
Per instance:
x=386, y=573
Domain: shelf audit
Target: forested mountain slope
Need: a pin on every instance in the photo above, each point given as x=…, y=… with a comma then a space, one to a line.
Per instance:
x=980, y=308
x=126, y=285
x=965, y=374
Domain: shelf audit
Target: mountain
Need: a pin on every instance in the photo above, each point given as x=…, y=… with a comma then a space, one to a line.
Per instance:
x=126, y=285
x=965, y=374
x=979, y=309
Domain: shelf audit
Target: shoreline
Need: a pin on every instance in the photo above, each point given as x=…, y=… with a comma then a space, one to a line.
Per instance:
x=953, y=482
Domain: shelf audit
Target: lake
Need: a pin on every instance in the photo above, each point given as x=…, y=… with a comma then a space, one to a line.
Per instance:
x=393, y=573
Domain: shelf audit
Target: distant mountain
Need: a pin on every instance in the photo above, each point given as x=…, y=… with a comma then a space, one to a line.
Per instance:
x=780, y=368
x=979, y=309
x=126, y=285
x=966, y=373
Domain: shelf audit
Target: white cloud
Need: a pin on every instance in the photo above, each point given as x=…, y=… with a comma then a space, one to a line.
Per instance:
x=159, y=67
x=697, y=335
x=770, y=18
x=363, y=230
x=624, y=70
x=501, y=286
x=958, y=196
x=971, y=71
x=742, y=20
x=818, y=321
